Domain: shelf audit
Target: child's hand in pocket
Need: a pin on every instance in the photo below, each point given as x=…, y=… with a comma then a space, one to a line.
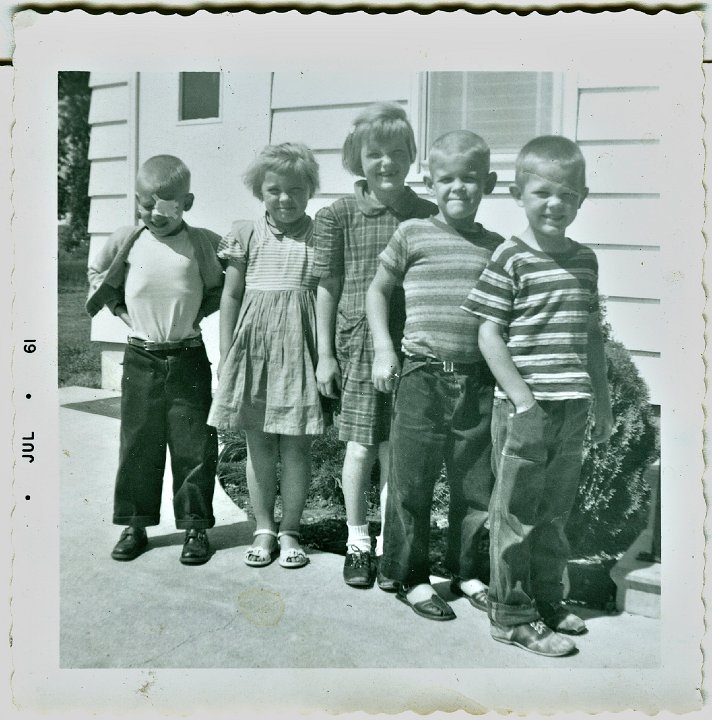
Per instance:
x=123, y=313
x=385, y=370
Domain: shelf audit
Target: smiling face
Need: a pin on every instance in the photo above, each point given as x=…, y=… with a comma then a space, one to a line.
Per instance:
x=458, y=182
x=385, y=165
x=551, y=195
x=285, y=196
x=161, y=210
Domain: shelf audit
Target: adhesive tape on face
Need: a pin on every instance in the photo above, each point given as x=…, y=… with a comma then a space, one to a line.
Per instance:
x=166, y=208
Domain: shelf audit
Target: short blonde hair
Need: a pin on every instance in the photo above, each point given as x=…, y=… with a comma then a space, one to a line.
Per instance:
x=459, y=142
x=382, y=121
x=283, y=158
x=549, y=148
x=165, y=172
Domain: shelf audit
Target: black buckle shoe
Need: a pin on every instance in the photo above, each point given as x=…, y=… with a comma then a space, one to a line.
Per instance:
x=132, y=543
x=477, y=600
x=358, y=570
x=434, y=608
x=196, y=548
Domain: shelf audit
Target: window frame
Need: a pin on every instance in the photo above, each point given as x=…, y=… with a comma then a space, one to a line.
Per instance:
x=563, y=119
x=201, y=121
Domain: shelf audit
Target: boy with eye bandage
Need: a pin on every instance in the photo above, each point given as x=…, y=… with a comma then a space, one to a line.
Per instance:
x=161, y=278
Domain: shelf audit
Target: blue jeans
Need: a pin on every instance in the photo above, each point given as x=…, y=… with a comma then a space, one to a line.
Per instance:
x=537, y=457
x=165, y=398
x=437, y=416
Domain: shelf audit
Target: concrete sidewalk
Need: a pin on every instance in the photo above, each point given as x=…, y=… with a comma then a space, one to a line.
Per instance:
x=154, y=612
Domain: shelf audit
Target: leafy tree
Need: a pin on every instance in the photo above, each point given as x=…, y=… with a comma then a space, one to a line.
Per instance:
x=74, y=97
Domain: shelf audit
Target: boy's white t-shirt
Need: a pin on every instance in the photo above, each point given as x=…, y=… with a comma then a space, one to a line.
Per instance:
x=163, y=288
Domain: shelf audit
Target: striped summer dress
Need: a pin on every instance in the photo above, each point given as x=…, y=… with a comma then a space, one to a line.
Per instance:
x=267, y=381
x=349, y=235
x=544, y=300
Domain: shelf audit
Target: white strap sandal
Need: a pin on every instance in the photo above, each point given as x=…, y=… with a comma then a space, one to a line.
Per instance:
x=257, y=556
x=291, y=557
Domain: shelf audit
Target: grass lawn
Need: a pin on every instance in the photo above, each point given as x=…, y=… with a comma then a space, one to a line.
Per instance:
x=79, y=359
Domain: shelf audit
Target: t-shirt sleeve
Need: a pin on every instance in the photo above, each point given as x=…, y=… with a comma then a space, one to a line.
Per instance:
x=492, y=298
x=234, y=247
x=328, y=243
x=394, y=257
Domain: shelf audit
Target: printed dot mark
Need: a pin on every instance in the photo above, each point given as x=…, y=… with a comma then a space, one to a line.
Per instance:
x=27, y=497
x=28, y=396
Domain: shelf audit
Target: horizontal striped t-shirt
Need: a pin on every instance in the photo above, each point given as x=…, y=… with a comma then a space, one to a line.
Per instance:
x=437, y=266
x=544, y=301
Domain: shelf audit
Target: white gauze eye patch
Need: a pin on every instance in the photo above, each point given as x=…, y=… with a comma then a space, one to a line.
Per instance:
x=166, y=208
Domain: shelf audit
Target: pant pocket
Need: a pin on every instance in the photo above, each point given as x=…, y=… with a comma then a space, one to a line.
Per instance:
x=525, y=434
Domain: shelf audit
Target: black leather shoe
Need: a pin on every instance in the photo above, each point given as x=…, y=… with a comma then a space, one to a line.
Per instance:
x=132, y=543
x=196, y=548
x=433, y=609
x=477, y=600
x=358, y=568
x=384, y=582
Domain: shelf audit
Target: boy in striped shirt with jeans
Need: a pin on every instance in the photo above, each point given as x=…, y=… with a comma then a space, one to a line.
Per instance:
x=443, y=400
x=540, y=335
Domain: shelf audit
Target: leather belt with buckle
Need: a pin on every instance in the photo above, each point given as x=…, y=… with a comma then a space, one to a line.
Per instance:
x=150, y=345
x=448, y=366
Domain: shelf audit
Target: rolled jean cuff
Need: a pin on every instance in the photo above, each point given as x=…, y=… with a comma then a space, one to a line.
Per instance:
x=509, y=615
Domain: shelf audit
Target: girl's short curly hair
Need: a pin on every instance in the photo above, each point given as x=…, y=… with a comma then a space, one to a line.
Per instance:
x=283, y=158
x=382, y=121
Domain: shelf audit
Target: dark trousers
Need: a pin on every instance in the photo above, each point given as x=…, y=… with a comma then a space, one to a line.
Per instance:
x=537, y=459
x=164, y=403
x=437, y=416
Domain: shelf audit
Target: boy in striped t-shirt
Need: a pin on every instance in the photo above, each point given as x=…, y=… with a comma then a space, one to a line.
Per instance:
x=540, y=335
x=443, y=402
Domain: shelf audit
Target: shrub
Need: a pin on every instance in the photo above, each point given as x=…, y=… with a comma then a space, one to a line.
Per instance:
x=614, y=495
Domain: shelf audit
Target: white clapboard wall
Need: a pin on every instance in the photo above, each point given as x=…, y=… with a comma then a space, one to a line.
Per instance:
x=613, y=118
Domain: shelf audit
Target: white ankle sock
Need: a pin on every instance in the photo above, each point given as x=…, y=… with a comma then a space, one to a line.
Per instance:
x=379, y=545
x=358, y=536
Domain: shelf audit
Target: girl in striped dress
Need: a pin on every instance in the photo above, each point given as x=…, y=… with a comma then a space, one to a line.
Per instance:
x=267, y=386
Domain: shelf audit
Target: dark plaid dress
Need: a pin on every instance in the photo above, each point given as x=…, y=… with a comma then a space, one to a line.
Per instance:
x=348, y=238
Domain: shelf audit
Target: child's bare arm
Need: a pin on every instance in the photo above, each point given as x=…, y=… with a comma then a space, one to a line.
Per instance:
x=500, y=362
x=230, y=303
x=385, y=362
x=597, y=369
x=328, y=374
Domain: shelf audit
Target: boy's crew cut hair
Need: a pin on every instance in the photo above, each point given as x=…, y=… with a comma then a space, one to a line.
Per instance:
x=283, y=158
x=165, y=172
x=459, y=142
x=549, y=148
x=382, y=121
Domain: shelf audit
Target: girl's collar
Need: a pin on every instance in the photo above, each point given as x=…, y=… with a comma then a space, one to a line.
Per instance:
x=369, y=205
x=293, y=230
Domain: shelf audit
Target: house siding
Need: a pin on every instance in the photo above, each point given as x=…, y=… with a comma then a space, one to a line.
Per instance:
x=111, y=145
x=614, y=119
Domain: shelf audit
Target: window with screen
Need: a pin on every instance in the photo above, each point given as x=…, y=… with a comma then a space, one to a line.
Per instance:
x=199, y=95
x=506, y=108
